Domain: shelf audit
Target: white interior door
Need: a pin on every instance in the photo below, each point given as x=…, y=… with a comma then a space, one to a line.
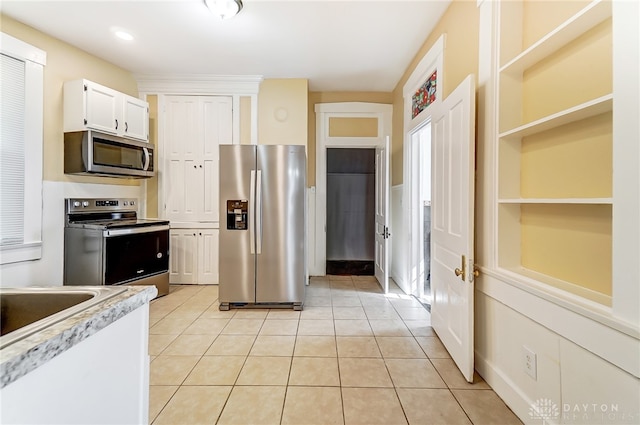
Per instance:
x=182, y=153
x=382, y=216
x=452, y=127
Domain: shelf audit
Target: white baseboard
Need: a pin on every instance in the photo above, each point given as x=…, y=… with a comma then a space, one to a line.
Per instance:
x=506, y=389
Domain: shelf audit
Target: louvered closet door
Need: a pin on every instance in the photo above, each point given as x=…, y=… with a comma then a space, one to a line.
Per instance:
x=183, y=156
x=195, y=127
x=216, y=131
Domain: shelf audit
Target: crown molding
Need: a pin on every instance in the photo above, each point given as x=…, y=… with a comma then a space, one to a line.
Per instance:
x=198, y=84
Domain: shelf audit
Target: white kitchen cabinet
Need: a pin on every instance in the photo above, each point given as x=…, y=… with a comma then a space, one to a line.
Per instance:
x=195, y=127
x=91, y=106
x=103, y=379
x=194, y=256
x=136, y=118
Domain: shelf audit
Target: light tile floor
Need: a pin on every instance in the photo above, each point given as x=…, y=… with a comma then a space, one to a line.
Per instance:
x=352, y=356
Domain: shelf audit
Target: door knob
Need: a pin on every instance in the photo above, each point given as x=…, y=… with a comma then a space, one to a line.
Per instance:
x=475, y=274
x=462, y=273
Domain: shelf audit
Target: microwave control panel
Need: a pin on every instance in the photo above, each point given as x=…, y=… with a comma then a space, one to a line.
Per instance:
x=237, y=214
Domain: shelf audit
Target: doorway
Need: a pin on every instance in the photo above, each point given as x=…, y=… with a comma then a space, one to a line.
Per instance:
x=356, y=125
x=421, y=208
x=350, y=211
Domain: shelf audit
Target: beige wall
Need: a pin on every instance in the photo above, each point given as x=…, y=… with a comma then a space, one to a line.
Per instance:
x=353, y=127
x=245, y=120
x=282, y=112
x=460, y=23
x=66, y=63
x=562, y=80
x=152, y=183
x=334, y=97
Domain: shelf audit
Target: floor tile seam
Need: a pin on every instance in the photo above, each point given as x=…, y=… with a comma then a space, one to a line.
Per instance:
x=461, y=406
x=224, y=405
x=360, y=357
x=404, y=412
x=313, y=386
x=165, y=317
x=165, y=348
x=206, y=307
x=395, y=392
x=166, y=404
x=385, y=357
x=191, y=370
x=374, y=358
x=253, y=385
x=201, y=355
x=440, y=374
x=246, y=358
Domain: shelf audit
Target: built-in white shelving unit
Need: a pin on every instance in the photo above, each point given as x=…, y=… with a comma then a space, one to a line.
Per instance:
x=554, y=166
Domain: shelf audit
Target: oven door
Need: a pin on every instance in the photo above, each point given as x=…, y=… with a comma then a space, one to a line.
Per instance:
x=135, y=253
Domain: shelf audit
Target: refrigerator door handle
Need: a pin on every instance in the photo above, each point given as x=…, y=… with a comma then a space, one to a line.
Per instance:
x=252, y=213
x=259, y=212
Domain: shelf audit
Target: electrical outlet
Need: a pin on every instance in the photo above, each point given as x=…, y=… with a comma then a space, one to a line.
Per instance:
x=530, y=362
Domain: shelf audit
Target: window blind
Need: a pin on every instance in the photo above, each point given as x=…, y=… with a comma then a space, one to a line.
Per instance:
x=12, y=148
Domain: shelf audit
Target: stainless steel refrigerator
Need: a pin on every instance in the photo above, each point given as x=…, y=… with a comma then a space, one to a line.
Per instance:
x=262, y=226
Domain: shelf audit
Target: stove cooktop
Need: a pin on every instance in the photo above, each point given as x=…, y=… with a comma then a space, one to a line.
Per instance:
x=118, y=223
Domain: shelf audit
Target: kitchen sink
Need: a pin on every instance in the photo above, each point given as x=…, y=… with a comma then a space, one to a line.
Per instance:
x=25, y=311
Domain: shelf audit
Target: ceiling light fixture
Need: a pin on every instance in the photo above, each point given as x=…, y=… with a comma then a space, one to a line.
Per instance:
x=225, y=9
x=123, y=35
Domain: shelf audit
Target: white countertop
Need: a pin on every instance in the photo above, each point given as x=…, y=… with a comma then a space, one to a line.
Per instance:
x=23, y=356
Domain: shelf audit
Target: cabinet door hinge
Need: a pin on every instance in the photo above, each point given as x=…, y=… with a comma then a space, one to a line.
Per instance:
x=85, y=87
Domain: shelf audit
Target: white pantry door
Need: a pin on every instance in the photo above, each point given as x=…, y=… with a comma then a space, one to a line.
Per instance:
x=382, y=216
x=453, y=158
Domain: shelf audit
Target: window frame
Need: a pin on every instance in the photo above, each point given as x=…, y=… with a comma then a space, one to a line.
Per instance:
x=34, y=60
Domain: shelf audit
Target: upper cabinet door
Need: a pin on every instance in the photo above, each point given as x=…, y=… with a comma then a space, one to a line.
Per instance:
x=102, y=108
x=91, y=106
x=136, y=118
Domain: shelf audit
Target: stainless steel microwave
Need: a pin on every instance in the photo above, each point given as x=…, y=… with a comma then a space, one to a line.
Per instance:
x=93, y=153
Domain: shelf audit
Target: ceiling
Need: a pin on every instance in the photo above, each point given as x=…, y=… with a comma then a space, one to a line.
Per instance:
x=355, y=45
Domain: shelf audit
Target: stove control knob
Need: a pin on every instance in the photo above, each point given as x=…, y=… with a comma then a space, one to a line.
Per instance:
x=76, y=203
x=85, y=203
x=132, y=203
x=126, y=203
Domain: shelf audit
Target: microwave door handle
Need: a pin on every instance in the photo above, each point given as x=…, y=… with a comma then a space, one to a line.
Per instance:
x=146, y=159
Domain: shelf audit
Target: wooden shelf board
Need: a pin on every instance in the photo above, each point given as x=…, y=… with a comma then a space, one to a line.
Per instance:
x=593, y=14
x=585, y=110
x=588, y=201
x=570, y=287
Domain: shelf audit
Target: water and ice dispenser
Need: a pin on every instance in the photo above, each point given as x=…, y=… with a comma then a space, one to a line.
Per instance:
x=237, y=214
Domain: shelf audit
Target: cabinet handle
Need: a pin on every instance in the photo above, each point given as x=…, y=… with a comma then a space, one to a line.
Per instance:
x=116, y=124
x=194, y=234
x=200, y=233
x=200, y=165
x=126, y=126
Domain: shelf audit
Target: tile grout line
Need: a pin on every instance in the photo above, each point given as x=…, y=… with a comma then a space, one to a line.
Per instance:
x=188, y=373
x=297, y=335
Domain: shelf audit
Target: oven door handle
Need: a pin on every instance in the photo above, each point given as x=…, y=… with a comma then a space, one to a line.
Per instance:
x=135, y=230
